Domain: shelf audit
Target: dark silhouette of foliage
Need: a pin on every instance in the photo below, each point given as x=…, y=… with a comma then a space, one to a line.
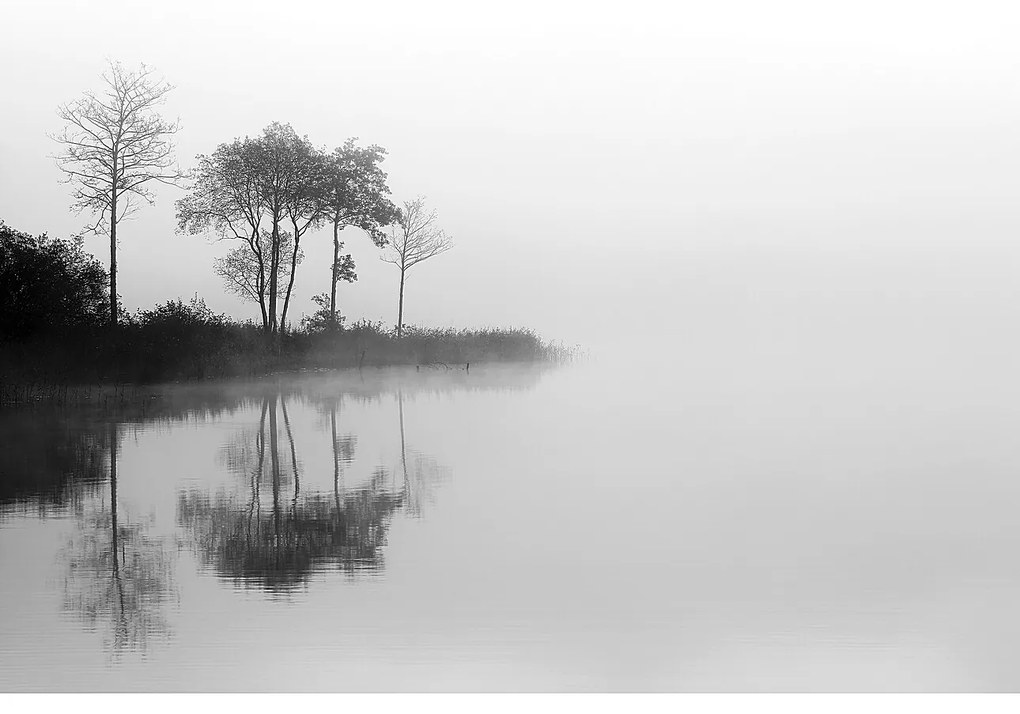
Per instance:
x=180, y=340
x=226, y=199
x=354, y=193
x=249, y=188
x=48, y=284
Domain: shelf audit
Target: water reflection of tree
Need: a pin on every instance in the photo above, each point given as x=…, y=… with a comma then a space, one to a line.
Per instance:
x=117, y=576
x=277, y=545
x=421, y=472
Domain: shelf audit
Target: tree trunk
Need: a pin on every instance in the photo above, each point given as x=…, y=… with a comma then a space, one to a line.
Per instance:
x=274, y=267
x=336, y=272
x=293, y=271
x=265, y=313
x=400, y=306
x=261, y=284
x=113, y=258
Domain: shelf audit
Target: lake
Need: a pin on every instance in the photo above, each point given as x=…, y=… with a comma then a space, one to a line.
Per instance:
x=792, y=522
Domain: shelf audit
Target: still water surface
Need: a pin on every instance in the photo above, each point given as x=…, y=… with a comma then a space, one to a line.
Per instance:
x=678, y=526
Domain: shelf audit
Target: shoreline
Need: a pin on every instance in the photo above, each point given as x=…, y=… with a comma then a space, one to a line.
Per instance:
x=179, y=350
x=110, y=396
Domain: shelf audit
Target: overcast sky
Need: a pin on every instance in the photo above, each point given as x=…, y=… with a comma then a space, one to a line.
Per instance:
x=676, y=169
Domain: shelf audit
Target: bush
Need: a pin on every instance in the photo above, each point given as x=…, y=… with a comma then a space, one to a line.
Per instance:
x=322, y=320
x=175, y=340
x=48, y=285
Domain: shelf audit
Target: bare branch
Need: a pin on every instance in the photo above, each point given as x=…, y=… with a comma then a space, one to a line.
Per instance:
x=416, y=238
x=116, y=142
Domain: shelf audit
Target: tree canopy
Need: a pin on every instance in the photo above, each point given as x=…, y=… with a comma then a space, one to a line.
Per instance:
x=250, y=188
x=354, y=193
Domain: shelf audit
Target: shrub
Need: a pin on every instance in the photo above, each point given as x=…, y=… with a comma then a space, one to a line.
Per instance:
x=48, y=285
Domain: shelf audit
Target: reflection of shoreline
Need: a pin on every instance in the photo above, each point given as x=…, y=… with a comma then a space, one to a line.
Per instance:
x=278, y=545
x=281, y=525
x=61, y=454
x=273, y=532
x=50, y=463
x=131, y=403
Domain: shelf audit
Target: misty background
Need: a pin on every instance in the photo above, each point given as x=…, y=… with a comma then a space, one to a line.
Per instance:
x=714, y=178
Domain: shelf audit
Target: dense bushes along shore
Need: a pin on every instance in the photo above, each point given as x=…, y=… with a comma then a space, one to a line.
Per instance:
x=186, y=341
x=54, y=331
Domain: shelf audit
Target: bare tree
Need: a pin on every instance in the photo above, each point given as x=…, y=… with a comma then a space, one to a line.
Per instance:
x=414, y=240
x=116, y=144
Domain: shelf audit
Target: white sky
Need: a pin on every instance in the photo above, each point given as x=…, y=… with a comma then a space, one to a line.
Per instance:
x=621, y=170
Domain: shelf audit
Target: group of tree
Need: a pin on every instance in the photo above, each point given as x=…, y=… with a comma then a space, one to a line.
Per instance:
x=266, y=192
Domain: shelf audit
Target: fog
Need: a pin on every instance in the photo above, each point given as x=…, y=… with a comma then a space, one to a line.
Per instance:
x=723, y=178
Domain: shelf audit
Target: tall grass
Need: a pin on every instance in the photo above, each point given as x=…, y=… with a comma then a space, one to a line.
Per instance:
x=366, y=343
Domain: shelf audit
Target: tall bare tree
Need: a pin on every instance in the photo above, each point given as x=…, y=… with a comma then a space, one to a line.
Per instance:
x=414, y=240
x=114, y=146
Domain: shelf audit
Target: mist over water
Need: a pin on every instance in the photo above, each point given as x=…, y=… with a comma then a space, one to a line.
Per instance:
x=799, y=520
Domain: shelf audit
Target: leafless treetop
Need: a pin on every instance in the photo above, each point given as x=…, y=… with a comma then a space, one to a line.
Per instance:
x=416, y=238
x=115, y=143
